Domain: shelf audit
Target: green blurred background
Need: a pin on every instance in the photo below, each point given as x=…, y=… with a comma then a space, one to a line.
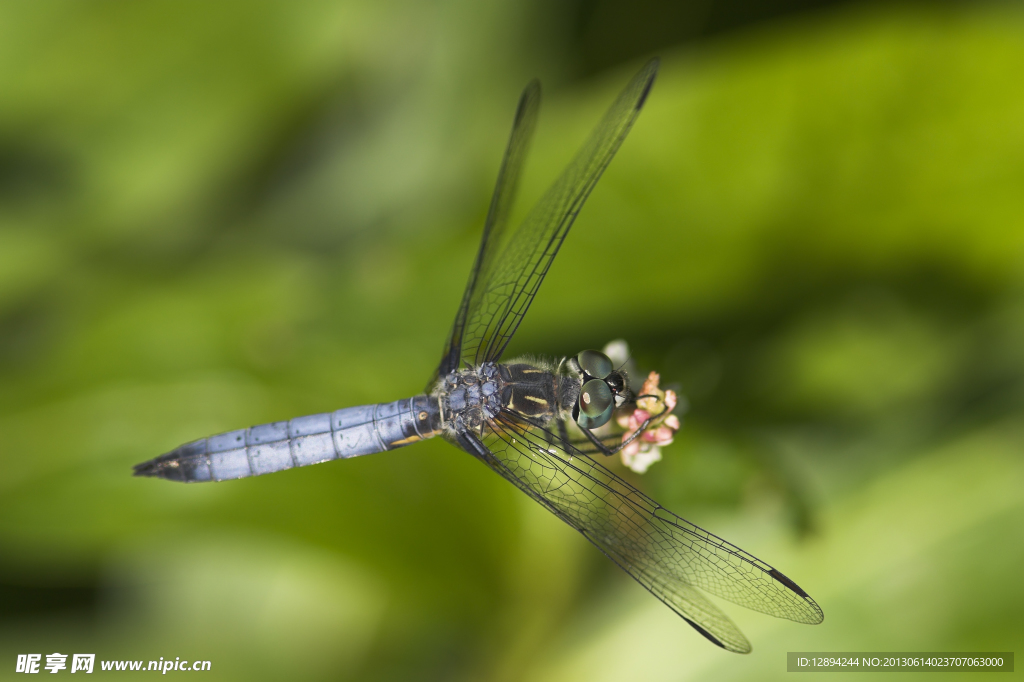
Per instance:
x=220, y=214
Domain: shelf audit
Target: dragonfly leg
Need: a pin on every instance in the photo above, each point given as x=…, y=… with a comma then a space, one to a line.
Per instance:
x=563, y=432
x=633, y=436
x=471, y=444
x=601, y=447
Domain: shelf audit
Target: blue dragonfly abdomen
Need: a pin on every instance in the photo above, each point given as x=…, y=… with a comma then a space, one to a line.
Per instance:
x=316, y=438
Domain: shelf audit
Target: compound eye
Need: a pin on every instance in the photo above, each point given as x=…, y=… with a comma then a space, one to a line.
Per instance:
x=596, y=404
x=595, y=363
x=595, y=397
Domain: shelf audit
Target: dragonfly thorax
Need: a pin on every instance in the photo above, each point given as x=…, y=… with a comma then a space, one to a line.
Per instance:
x=470, y=398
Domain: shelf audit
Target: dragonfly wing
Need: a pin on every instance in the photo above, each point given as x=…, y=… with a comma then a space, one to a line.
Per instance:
x=666, y=554
x=516, y=263
x=497, y=219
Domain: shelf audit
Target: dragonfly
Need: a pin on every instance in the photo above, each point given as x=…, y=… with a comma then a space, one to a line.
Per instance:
x=516, y=416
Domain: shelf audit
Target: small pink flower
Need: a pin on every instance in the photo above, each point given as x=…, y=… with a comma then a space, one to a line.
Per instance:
x=637, y=419
x=640, y=459
x=651, y=383
x=650, y=388
x=656, y=410
x=663, y=435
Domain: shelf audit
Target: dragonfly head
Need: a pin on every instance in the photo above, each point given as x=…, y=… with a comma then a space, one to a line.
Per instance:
x=604, y=388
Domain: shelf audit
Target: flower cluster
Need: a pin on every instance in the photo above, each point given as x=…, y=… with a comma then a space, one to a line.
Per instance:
x=645, y=450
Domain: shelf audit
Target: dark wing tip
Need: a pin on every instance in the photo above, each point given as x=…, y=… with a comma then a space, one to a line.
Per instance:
x=528, y=100
x=743, y=649
x=782, y=578
x=796, y=589
x=651, y=68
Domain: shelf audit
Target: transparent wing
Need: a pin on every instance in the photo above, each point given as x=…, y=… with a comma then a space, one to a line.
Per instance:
x=497, y=219
x=666, y=554
x=512, y=281
x=511, y=267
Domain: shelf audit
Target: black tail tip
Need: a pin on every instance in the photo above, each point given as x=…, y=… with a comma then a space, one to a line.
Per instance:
x=145, y=469
x=155, y=468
